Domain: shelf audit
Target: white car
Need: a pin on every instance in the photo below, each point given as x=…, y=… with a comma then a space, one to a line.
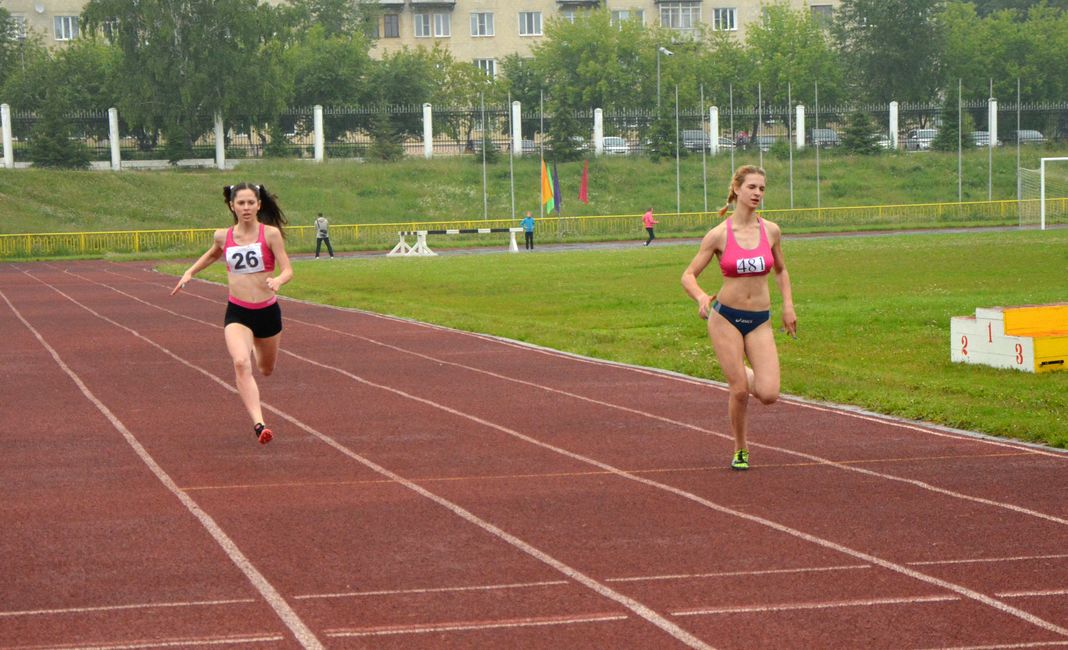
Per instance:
x=615, y=145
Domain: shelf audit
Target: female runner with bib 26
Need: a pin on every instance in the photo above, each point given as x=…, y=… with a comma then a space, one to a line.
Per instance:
x=739, y=316
x=253, y=247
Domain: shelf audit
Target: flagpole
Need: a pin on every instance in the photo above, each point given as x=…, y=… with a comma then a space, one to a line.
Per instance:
x=485, y=144
x=678, y=191
x=541, y=149
x=704, y=150
x=511, y=154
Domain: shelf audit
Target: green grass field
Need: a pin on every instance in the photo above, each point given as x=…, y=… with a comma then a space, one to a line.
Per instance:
x=873, y=315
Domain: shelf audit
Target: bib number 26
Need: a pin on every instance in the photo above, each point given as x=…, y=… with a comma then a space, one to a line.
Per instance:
x=245, y=260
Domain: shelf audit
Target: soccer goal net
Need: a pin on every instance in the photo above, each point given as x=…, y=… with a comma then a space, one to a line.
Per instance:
x=1044, y=193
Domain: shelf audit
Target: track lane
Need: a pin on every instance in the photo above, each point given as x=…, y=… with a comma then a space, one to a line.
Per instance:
x=466, y=406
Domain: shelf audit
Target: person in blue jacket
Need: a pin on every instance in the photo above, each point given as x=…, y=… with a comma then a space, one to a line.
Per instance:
x=528, y=230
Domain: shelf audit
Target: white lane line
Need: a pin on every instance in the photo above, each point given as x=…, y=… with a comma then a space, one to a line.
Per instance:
x=465, y=626
x=1032, y=594
x=638, y=608
x=190, y=642
x=301, y=631
x=434, y=590
x=728, y=574
x=111, y=608
x=1004, y=646
x=1016, y=558
x=812, y=458
x=836, y=604
x=837, y=409
x=813, y=539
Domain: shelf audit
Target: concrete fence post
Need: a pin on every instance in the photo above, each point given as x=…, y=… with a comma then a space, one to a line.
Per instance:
x=713, y=130
x=992, y=121
x=517, y=128
x=5, y=128
x=893, y=125
x=113, y=139
x=220, y=142
x=598, y=131
x=319, y=139
x=799, y=135
x=428, y=131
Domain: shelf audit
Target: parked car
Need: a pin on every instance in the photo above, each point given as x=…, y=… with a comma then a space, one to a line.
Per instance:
x=1026, y=136
x=920, y=139
x=765, y=142
x=823, y=138
x=725, y=142
x=694, y=140
x=982, y=139
x=615, y=145
x=882, y=141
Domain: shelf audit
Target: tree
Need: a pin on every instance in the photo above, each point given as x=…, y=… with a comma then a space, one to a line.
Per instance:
x=891, y=49
x=791, y=47
x=952, y=133
x=51, y=144
x=8, y=44
x=184, y=60
x=987, y=7
x=860, y=134
x=334, y=18
x=592, y=63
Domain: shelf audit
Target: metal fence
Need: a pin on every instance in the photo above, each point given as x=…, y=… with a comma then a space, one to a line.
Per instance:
x=350, y=131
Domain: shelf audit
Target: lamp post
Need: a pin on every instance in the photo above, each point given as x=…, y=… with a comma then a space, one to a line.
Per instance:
x=666, y=52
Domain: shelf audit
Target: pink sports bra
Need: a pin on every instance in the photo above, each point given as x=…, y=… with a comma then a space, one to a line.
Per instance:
x=256, y=257
x=738, y=262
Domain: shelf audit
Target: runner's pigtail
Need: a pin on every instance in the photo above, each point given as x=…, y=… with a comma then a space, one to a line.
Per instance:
x=270, y=212
x=731, y=197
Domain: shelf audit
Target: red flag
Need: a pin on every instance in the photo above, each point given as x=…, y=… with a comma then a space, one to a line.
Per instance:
x=584, y=188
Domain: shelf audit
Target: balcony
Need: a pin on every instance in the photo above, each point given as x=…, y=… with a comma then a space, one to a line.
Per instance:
x=584, y=4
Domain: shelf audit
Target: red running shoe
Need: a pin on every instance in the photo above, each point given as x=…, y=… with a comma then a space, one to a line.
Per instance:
x=263, y=434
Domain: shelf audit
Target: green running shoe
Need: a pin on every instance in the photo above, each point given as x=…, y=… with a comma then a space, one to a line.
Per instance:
x=740, y=460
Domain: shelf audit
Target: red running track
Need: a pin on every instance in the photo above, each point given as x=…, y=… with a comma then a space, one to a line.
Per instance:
x=429, y=488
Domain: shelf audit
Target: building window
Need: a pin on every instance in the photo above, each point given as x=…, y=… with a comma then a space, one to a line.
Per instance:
x=824, y=15
x=482, y=24
x=391, y=26
x=19, y=34
x=680, y=15
x=432, y=25
x=723, y=20
x=488, y=66
x=442, y=25
x=65, y=27
x=530, y=23
x=628, y=14
x=568, y=15
x=110, y=29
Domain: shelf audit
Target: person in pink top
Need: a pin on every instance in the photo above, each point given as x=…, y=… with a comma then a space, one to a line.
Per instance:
x=253, y=248
x=739, y=316
x=648, y=221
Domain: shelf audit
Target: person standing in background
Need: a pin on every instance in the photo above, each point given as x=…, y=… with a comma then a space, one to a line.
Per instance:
x=322, y=234
x=528, y=230
x=648, y=221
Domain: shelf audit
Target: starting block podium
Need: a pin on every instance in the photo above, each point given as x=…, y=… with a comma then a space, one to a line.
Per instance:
x=1032, y=338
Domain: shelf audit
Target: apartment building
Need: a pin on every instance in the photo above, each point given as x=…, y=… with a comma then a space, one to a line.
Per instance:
x=480, y=31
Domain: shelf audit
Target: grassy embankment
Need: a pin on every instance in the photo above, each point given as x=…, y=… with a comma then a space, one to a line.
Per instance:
x=451, y=189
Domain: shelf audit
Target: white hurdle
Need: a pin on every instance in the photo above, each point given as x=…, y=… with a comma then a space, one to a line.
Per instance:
x=421, y=249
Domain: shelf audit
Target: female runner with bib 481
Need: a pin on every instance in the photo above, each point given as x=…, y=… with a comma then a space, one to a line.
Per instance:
x=748, y=248
x=252, y=248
